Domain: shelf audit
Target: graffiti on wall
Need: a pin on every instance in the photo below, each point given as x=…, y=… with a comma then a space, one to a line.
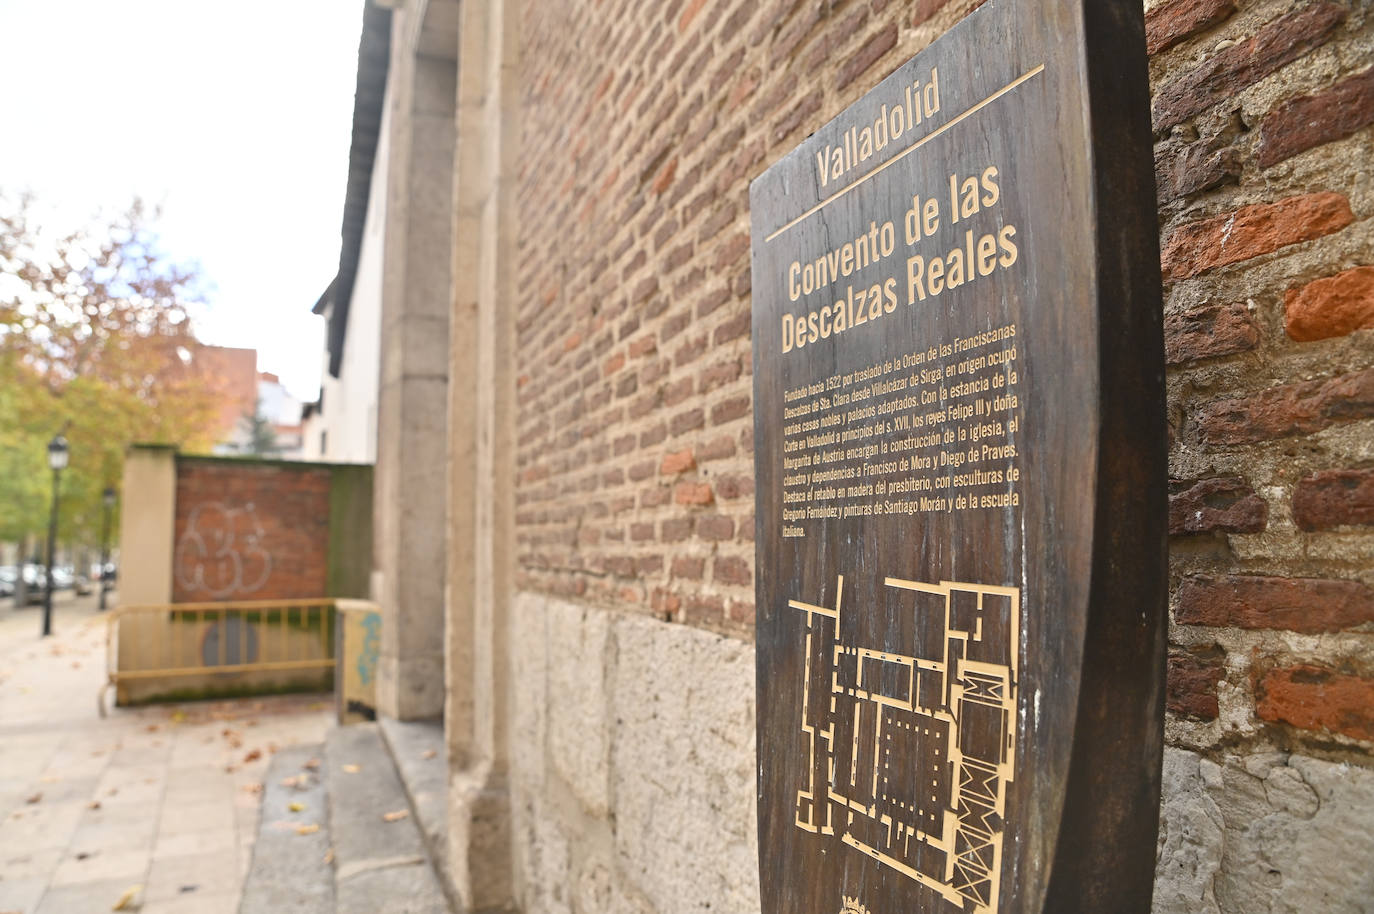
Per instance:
x=220, y=554
x=371, y=648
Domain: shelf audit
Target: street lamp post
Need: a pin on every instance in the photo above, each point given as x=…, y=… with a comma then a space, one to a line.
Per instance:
x=57, y=459
x=108, y=499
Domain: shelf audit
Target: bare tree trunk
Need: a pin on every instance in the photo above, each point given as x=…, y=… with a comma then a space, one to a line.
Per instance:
x=21, y=585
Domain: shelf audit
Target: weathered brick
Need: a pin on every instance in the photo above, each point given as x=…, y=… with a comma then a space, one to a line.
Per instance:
x=619, y=565
x=1315, y=697
x=693, y=493
x=653, y=435
x=733, y=486
x=717, y=448
x=867, y=55
x=1307, y=605
x=1187, y=168
x=690, y=568
x=718, y=375
x=732, y=329
x=656, y=497
x=1208, y=332
x=730, y=569
x=677, y=462
x=1220, y=504
x=1333, y=306
x=687, y=421
x=730, y=409
x=1176, y=20
x=1191, y=682
x=717, y=221
x=1308, y=121
x=675, y=530
x=1291, y=409
x=691, y=350
x=1241, y=65
x=715, y=527
x=645, y=345
x=678, y=391
x=641, y=471
x=1334, y=498
x=703, y=609
x=641, y=532
x=923, y=9
x=664, y=603
x=793, y=119
x=1252, y=231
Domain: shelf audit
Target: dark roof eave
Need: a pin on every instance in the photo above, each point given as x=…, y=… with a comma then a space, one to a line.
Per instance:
x=374, y=56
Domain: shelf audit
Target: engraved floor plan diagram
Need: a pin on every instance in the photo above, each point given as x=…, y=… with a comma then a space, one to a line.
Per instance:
x=911, y=750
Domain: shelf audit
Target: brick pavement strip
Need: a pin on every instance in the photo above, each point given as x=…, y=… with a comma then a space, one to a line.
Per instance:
x=163, y=798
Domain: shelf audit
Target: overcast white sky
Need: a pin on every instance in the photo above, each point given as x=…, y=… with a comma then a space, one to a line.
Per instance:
x=234, y=116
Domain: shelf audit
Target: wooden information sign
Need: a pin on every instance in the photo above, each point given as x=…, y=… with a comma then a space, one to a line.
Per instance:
x=960, y=457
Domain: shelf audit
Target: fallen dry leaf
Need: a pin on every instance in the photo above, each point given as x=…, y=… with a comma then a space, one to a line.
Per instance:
x=94, y=804
x=352, y=769
x=329, y=856
x=253, y=755
x=312, y=764
x=126, y=901
x=36, y=798
x=395, y=816
x=152, y=728
x=428, y=754
x=255, y=787
x=296, y=806
x=307, y=829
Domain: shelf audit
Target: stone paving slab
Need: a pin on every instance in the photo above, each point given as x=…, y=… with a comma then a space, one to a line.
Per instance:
x=291, y=872
x=381, y=865
x=163, y=798
x=418, y=750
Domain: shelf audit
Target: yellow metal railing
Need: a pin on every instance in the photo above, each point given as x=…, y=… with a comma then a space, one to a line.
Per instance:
x=170, y=640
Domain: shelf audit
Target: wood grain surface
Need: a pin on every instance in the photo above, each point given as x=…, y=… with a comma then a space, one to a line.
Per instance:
x=960, y=459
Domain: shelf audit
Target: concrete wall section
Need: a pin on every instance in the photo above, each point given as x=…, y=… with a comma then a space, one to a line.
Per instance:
x=1274, y=833
x=412, y=439
x=633, y=790
x=145, y=525
x=350, y=532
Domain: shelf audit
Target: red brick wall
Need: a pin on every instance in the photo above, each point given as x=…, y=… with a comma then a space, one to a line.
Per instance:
x=644, y=123
x=250, y=531
x=1262, y=112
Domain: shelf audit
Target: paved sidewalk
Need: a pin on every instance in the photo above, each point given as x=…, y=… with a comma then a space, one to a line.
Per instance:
x=162, y=800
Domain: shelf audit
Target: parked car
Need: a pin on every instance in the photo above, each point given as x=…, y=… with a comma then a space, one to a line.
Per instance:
x=8, y=576
x=62, y=578
x=36, y=576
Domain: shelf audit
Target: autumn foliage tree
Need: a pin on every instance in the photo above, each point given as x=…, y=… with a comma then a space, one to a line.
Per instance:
x=95, y=340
